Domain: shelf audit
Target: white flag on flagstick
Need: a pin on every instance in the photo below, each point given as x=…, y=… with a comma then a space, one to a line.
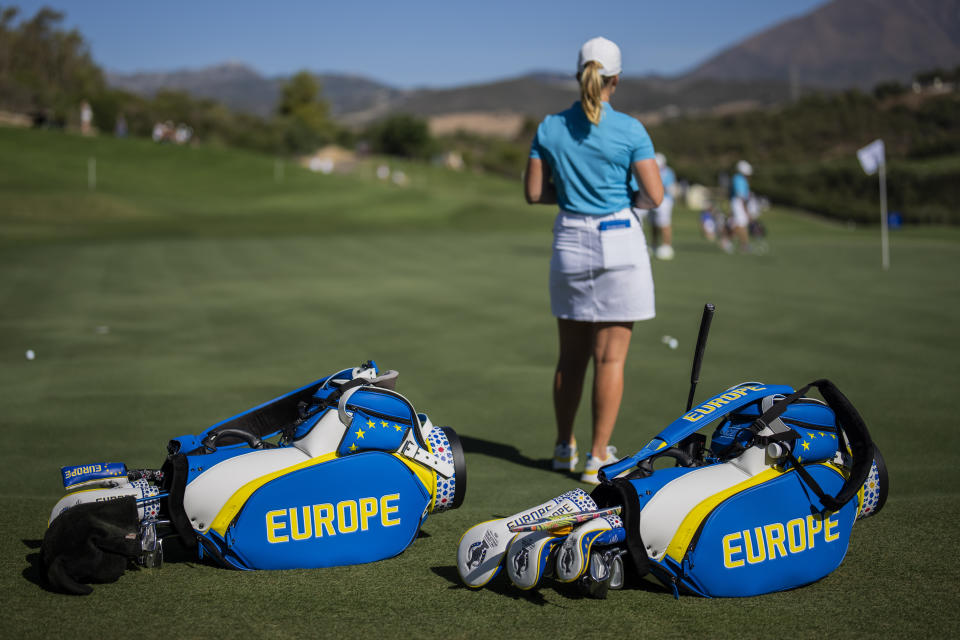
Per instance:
x=872, y=156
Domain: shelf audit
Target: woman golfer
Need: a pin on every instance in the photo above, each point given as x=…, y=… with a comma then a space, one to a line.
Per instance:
x=600, y=282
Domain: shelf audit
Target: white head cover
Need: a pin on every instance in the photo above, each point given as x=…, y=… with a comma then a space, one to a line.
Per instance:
x=603, y=51
x=661, y=160
x=744, y=167
x=481, y=549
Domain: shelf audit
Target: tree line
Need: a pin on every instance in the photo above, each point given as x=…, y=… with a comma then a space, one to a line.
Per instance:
x=46, y=72
x=804, y=153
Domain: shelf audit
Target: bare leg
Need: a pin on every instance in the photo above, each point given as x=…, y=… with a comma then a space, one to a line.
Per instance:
x=742, y=237
x=667, y=235
x=576, y=348
x=610, y=354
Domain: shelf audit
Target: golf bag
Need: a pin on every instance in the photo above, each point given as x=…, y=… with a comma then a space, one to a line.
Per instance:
x=341, y=471
x=768, y=506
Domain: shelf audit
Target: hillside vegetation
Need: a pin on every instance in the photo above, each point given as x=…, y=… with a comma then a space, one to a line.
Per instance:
x=804, y=154
x=144, y=189
x=47, y=73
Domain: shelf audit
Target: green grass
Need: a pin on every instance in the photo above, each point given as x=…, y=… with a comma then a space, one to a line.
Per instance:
x=149, y=190
x=221, y=289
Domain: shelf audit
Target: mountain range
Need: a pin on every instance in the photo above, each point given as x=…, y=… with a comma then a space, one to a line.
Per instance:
x=847, y=43
x=841, y=44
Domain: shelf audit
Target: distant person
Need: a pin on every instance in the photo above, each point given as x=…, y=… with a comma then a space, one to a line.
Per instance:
x=600, y=277
x=182, y=134
x=663, y=215
x=739, y=195
x=753, y=206
x=755, y=227
x=120, y=128
x=42, y=118
x=661, y=226
x=708, y=224
x=86, y=118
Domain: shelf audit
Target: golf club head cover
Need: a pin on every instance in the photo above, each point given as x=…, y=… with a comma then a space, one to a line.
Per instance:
x=482, y=548
x=530, y=557
x=573, y=558
x=147, y=497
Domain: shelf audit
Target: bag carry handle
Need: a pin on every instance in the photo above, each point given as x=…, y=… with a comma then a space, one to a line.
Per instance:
x=853, y=426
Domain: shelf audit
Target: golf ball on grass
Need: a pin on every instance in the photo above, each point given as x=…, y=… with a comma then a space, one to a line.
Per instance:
x=30, y=354
x=670, y=341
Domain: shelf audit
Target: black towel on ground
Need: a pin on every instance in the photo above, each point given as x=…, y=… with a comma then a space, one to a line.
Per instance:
x=90, y=543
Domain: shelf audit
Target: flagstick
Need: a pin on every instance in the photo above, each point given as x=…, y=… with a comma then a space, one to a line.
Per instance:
x=884, y=243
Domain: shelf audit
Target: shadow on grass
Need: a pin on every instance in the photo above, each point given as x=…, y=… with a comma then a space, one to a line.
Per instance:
x=174, y=551
x=499, y=585
x=33, y=573
x=509, y=453
x=569, y=591
x=573, y=591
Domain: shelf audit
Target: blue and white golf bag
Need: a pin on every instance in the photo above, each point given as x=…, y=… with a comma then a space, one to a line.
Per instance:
x=768, y=506
x=341, y=471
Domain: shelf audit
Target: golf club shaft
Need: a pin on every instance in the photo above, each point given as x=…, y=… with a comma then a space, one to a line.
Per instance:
x=705, y=320
x=629, y=461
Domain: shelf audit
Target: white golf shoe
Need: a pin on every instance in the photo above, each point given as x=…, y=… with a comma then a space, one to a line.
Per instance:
x=593, y=465
x=565, y=457
x=664, y=252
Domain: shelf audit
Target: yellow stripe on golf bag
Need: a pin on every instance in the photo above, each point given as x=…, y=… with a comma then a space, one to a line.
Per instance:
x=688, y=527
x=239, y=498
x=426, y=476
x=691, y=523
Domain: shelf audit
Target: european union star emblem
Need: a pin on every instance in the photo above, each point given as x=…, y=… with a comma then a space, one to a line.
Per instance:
x=367, y=433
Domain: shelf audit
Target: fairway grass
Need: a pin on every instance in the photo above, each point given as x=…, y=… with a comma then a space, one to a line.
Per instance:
x=190, y=286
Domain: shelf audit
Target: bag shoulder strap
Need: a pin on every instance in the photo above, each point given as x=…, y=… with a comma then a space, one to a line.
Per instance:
x=854, y=428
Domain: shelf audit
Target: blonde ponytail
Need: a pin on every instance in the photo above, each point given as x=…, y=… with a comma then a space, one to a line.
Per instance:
x=591, y=85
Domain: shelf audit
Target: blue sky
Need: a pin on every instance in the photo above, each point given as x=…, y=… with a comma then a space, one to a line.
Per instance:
x=408, y=44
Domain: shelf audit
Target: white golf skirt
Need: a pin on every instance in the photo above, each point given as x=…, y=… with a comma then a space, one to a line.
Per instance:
x=600, y=268
x=663, y=215
x=739, y=211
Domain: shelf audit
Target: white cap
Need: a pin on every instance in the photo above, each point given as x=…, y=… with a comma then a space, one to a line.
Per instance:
x=744, y=167
x=603, y=51
x=661, y=160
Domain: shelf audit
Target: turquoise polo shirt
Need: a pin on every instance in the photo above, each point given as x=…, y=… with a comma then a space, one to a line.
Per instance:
x=739, y=187
x=667, y=177
x=591, y=164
